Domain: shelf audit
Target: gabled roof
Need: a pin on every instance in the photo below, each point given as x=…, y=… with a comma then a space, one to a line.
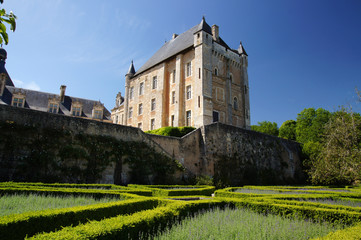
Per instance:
x=39, y=101
x=177, y=45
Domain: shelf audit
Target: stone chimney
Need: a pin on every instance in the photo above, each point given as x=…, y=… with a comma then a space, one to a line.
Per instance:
x=62, y=93
x=215, y=32
x=174, y=35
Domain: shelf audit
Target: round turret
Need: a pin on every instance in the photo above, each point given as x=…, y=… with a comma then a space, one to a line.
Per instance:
x=3, y=54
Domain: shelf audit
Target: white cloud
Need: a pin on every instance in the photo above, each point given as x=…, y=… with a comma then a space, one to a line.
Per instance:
x=27, y=85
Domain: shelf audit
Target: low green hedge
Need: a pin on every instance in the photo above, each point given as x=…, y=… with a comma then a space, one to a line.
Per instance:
x=351, y=233
x=172, y=190
x=96, y=193
x=17, y=226
x=145, y=222
x=132, y=226
x=62, y=185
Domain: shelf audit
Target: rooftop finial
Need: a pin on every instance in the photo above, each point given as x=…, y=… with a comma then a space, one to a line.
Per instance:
x=131, y=69
x=203, y=18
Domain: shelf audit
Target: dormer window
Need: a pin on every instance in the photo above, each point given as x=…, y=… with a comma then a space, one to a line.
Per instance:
x=18, y=99
x=53, y=105
x=53, y=108
x=76, y=109
x=98, y=109
x=98, y=114
x=18, y=102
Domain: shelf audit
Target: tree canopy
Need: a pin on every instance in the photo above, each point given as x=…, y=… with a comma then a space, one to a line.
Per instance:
x=267, y=127
x=310, y=124
x=288, y=130
x=8, y=18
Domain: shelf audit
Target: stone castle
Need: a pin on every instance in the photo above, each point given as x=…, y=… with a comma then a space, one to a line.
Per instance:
x=194, y=79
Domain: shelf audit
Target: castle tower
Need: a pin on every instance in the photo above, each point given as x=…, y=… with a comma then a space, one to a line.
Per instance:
x=194, y=79
x=128, y=76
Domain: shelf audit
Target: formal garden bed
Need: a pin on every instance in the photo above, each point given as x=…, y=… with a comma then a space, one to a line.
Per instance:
x=163, y=213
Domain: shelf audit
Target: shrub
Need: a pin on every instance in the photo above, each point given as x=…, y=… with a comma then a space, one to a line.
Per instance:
x=172, y=131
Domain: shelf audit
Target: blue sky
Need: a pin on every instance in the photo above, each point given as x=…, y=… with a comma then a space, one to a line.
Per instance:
x=302, y=53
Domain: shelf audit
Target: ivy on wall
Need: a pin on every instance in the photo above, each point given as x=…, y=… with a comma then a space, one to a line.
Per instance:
x=29, y=153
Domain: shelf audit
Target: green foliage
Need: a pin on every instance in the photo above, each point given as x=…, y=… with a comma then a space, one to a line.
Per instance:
x=267, y=127
x=172, y=131
x=59, y=155
x=339, y=160
x=20, y=203
x=204, y=180
x=8, y=18
x=348, y=233
x=20, y=225
x=310, y=124
x=177, y=190
x=288, y=130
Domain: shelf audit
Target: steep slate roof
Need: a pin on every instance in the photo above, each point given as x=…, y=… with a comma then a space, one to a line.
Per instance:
x=39, y=101
x=177, y=45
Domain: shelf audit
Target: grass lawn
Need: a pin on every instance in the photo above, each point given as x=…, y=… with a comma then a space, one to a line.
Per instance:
x=15, y=204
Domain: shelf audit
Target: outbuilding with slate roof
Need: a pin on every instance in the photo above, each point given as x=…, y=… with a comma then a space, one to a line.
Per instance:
x=48, y=102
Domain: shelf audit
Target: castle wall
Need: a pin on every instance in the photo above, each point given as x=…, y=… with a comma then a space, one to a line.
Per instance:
x=233, y=156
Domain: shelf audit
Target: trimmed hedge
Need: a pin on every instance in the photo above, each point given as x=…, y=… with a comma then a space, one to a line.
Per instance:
x=132, y=226
x=344, y=234
x=62, y=185
x=171, y=190
x=96, y=193
x=18, y=226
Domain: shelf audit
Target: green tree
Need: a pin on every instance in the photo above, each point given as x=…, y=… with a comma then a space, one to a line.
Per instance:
x=267, y=127
x=310, y=124
x=8, y=18
x=339, y=160
x=288, y=130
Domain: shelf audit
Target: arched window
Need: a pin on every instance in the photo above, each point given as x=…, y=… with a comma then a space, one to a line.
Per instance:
x=231, y=77
x=216, y=71
x=235, y=103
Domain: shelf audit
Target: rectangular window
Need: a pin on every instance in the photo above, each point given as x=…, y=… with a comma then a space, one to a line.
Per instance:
x=154, y=83
x=18, y=102
x=189, y=118
x=131, y=93
x=140, y=125
x=141, y=88
x=173, y=97
x=130, y=112
x=189, y=69
x=189, y=92
x=53, y=108
x=98, y=114
x=76, y=111
x=215, y=116
x=140, y=109
x=174, y=72
x=152, y=124
x=152, y=104
x=172, y=120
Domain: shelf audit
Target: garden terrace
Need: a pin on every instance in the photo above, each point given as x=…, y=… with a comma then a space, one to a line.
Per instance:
x=136, y=216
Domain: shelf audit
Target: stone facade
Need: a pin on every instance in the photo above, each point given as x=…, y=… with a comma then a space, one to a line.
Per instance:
x=195, y=79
